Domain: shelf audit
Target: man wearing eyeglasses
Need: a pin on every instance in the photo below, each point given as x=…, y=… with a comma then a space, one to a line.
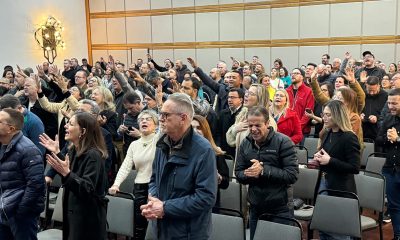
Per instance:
x=183, y=185
x=369, y=67
x=22, y=187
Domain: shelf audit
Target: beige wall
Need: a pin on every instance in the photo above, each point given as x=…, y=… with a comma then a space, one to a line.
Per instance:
x=19, y=19
x=319, y=27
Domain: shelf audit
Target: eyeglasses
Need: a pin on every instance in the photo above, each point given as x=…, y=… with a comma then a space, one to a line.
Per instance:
x=165, y=115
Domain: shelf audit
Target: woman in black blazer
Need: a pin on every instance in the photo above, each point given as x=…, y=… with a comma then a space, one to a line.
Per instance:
x=339, y=153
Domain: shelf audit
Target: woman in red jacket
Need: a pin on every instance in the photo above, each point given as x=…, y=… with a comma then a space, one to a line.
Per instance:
x=287, y=120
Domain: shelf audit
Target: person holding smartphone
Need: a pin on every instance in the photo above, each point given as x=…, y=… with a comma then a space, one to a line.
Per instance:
x=339, y=154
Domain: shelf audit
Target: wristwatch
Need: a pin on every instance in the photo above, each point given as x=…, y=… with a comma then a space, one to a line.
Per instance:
x=262, y=170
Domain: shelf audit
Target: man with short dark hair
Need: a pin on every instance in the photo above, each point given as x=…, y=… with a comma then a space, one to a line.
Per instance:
x=69, y=72
x=325, y=59
x=181, y=70
x=183, y=185
x=191, y=87
x=267, y=162
x=389, y=138
x=22, y=183
x=300, y=98
x=33, y=126
x=309, y=70
x=227, y=118
x=375, y=100
x=86, y=65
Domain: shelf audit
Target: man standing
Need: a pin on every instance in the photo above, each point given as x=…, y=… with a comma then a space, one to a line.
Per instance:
x=267, y=163
x=325, y=59
x=369, y=67
x=301, y=98
x=183, y=185
x=374, y=102
x=22, y=182
x=389, y=139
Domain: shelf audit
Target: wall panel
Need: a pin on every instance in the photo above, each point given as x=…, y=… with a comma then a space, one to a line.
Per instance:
x=157, y=4
x=138, y=29
x=314, y=21
x=254, y=31
x=311, y=54
x=116, y=30
x=346, y=19
x=162, y=29
x=340, y=50
x=264, y=55
x=184, y=28
x=227, y=53
x=284, y=23
x=382, y=52
x=182, y=3
x=97, y=5
x=207, y=58
x=120, y=55
x=379, y=18
x=115, y=5
x=137, y=5
x=160, y=55
x=288, y=55
x=99, y=30
x=97, y=54
x=207, y=27
x=231, y=26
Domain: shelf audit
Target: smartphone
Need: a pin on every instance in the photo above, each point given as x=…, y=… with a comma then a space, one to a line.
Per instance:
x=308, y=110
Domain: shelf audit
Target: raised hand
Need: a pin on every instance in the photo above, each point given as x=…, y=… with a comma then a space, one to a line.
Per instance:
x=59, y=165
x=49, y=144
x=111, y=62
x=363, y=76
x=192, y=62
x=40, y=71
x=347, y=55
x=20, y=72
x=349, y=75
x=53, y=69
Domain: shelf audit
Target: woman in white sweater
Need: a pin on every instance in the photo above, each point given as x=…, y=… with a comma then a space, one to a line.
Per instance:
x=140, y=154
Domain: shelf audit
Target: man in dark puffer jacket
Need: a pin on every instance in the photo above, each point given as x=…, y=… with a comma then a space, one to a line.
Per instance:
x=267, y=162
x=22, y=185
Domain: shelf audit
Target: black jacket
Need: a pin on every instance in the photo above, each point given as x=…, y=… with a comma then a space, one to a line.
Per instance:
x=392, y=150
x=373, y=106
x=181, y=73
x=269, y=191
x=344, y=162
x=225, y=120
x=84, y=205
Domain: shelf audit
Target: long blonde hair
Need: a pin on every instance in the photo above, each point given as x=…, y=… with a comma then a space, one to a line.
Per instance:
x=262, y=100
x=339, y=115
x=108, y=99
x=285, y=107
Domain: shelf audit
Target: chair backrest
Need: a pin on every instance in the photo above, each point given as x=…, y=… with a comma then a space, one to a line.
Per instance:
x=311, y=144
x=337, y=215
x=306, y=184
x=371, y=190
x=232, y=197
x=369, y=148
x=128, y=184
x=58, y=207
x=302, y=155
x=120, y=215
x=230, y=164
x=278, y=229
x=375, y=164
x=227, y=227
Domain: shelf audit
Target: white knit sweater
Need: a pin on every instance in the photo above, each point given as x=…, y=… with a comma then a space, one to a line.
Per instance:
x=140, y=154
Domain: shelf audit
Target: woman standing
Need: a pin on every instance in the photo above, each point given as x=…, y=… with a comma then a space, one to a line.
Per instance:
x=339, y=153
x=107, y=117
x=200, y=125
x=140, y=155
x=284, y=75
x=275, y=81
x=84, y=179
x=287, y=120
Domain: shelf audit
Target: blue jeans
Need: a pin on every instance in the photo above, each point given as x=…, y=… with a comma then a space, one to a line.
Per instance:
x=255, y=213
x=19, y=228
x=325, y=235
x=393, y=197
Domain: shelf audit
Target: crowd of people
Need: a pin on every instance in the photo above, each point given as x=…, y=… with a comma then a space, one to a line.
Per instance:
x=175, y=125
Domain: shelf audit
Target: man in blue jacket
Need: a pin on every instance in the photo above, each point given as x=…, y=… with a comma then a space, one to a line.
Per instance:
x=183, y=185
x=22, y=185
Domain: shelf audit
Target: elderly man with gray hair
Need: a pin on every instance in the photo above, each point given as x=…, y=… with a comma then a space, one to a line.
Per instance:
x=183, y=185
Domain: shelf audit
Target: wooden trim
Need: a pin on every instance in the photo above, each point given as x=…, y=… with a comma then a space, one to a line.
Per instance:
x=355, y=40
x=88, y=32
x=218, y=8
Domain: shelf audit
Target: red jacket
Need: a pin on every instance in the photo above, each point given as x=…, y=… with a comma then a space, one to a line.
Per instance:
x=304, y=99
x=289, y=124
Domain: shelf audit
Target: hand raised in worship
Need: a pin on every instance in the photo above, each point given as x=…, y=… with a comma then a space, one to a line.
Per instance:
x=62, y=167
x=20, y=72
x=192, y=62
x=349, y=75
x=363, y=77
x=49, y=144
